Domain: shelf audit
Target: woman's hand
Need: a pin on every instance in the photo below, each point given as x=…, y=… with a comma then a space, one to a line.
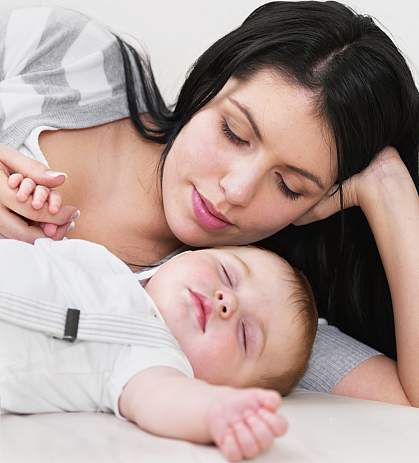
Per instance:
x=385, y=175
x=18, y=217
x=244, y=422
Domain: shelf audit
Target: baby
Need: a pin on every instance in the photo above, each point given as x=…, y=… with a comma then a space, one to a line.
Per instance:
x=188, y=356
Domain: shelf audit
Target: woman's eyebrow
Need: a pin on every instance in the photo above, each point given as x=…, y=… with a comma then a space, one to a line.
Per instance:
x=249, y=117
x=308, y=175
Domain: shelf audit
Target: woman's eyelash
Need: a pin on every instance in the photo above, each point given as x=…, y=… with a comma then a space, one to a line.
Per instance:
x=230, y=282
x=231, y=135
x=238, y=141
x=244, y=336
x=287, y=192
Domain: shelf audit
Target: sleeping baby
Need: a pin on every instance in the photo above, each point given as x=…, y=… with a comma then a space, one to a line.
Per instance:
x=200, y=349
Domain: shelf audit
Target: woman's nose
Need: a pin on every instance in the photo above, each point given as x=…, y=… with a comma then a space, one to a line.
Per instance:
x=225, y=303
x=240, y=185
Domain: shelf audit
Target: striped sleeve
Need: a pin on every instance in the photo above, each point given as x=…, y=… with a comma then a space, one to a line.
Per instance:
x=58, y=68
x=334, y=355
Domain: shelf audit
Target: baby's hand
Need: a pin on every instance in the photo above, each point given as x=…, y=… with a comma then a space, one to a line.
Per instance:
x=40, y=194
x=244, y=422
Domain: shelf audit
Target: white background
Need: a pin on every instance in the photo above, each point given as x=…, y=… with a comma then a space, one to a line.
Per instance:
x=175, y=33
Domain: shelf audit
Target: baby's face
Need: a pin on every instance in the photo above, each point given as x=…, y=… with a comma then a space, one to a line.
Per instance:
x=229, y=310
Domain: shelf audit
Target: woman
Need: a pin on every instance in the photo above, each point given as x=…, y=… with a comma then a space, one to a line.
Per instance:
x=303, y=96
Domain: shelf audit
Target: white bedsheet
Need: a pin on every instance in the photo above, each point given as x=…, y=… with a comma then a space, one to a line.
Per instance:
x=323, y=429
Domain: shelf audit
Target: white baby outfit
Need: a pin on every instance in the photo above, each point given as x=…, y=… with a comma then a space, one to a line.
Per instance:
x=120, y=331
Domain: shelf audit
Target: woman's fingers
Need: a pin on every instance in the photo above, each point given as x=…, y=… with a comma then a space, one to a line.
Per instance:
x=57, y=232
x=12, y=226
x=15, y=161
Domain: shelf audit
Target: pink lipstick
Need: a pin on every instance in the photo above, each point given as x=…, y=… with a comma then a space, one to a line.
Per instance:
x=206, y=214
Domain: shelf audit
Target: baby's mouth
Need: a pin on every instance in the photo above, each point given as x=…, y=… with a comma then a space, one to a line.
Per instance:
x=203, y=308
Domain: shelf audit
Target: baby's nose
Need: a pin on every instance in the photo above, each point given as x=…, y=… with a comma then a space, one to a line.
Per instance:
x=225, y=303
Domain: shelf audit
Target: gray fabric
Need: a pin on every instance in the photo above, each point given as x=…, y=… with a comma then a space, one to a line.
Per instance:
x=61, y=31
x=114, y=69
x=4, y=19
x=334, y=355
x=60, y=108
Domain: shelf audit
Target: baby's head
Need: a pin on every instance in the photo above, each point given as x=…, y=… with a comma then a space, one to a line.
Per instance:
x=242, y=315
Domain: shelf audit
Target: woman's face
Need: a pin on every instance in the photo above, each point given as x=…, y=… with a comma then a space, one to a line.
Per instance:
x=248, y=164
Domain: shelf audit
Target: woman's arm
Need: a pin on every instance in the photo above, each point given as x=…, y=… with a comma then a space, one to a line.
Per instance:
x=388, y=197
x=375, y=379
x=242, y=422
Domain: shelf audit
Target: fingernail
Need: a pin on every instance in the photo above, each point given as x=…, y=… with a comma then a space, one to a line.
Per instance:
x=54, y=173
x=72, y=226
x=75, y=215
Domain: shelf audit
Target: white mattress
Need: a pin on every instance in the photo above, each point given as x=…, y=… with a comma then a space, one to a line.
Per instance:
x=323, y=429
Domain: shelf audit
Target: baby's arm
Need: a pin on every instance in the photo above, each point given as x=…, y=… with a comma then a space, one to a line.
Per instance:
x=241, y=422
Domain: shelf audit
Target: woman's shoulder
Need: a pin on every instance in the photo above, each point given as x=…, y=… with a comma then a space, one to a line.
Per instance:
x=43, y=28
x=41, y=38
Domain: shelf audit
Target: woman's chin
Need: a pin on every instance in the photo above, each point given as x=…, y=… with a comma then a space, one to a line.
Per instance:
x=193, y=235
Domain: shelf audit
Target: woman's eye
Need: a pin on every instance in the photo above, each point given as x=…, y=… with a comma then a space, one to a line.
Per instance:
x=244, y=336
x=284, y=188
x=231, y=135
x=227, y=276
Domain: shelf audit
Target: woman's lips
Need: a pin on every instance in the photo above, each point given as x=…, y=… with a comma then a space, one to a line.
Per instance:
x=202, y=308
x=205, y=213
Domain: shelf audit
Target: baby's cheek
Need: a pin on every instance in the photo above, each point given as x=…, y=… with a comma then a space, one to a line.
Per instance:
x=214, y=362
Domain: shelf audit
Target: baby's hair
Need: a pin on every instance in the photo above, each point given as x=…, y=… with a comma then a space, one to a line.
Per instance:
x=303, y=300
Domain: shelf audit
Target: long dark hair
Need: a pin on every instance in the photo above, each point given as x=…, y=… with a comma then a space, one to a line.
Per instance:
x=365, y=93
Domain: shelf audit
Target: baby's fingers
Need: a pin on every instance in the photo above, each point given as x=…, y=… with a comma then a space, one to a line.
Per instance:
x=246, y=440
x=276, y=423
x=230, y=448
x=268, y=398
x=54, y=202
x=26, y=188
x=40, y=195
x=15, y=180
x=260, y=430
